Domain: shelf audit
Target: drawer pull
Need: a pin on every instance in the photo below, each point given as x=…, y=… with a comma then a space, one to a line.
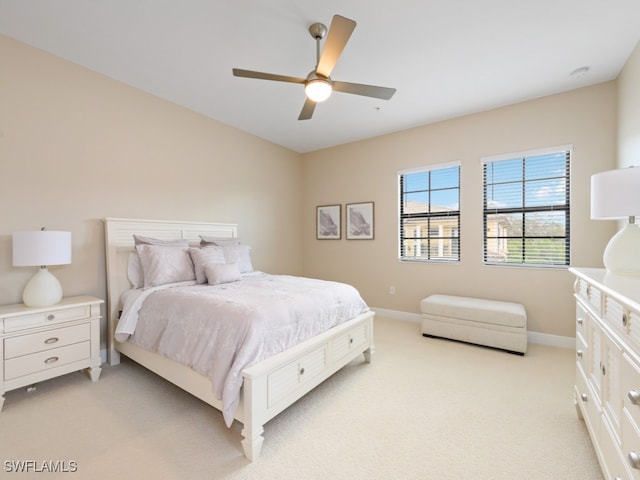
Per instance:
x=302, y=371
x=51, y=316
x=579, y=353
x=51, y=340
x=350, y=340
x=51, y=360
x=634, y=397
x=580, y=321
x=624, y=319
x=634, y=460
x=583, y=397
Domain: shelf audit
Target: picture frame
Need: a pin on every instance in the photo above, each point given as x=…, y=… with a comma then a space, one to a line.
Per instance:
x=359, y=221
x=328, y=222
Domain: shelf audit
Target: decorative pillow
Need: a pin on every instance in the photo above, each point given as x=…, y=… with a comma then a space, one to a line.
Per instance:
x=218, y=273
x=219, y=241
x=140, y=240
x=202, y=256
x=162, y=264
x=240, y=254
x=134, y=270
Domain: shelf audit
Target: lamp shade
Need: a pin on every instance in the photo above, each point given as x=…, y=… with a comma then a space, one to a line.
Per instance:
x=615, y=194
x=41, y=247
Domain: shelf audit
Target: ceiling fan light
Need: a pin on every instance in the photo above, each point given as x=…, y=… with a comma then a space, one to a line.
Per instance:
x=318, y=90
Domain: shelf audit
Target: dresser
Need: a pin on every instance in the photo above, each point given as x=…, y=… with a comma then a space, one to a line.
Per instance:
x=607, y=389
x=38, y=343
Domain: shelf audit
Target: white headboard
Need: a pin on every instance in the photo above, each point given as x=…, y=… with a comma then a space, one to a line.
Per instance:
x=119, y=243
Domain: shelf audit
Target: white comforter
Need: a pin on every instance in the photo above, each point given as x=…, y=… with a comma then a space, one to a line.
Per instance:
x=220, y=330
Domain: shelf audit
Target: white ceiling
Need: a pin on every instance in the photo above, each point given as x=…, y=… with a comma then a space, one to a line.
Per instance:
x=446, y=58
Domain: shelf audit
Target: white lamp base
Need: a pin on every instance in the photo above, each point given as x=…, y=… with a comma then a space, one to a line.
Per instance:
x=42, y=290
x=622, y=255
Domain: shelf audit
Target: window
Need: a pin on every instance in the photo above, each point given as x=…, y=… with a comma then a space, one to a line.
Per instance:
x=430, y=214
x=526, y=208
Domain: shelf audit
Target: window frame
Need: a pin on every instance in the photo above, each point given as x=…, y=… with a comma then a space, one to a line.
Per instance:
x=567, y=151
x=428, y=216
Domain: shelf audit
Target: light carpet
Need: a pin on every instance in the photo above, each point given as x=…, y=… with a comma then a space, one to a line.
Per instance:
x=423, y=409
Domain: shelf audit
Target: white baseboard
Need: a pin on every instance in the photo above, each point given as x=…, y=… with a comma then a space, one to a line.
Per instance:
x=532, y=337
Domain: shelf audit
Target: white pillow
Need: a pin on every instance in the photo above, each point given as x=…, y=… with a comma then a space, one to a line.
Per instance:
x=240, y=254
x=220, y=241
x=202, y=256
x=162, y=264
x=218, y=273
x=140, y=240
x=134, y=270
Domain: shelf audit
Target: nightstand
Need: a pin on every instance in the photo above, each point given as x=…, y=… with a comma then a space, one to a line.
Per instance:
x=38, y=343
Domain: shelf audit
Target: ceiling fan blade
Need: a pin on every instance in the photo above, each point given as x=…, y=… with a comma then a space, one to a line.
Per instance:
x=383, y=93
x=340, y=30
x=238, y=72
x=307, y=109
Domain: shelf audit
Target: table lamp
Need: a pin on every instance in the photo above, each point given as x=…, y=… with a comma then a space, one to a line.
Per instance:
x=615, y=194
x=41, y=248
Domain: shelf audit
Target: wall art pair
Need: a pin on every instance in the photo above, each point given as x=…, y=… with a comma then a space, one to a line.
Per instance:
x=358, y=221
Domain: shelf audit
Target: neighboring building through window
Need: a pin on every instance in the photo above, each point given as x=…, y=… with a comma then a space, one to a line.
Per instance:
x=430, y=213
x=526, y=208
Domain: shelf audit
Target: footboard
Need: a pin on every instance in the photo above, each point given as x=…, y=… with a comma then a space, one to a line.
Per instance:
x=273, y=385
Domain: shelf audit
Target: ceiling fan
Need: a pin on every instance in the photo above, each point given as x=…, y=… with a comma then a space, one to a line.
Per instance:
x=318, y=85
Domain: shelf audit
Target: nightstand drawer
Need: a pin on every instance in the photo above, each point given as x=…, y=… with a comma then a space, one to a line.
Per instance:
x=41, y=361
x=37, y=342
x=46, y=318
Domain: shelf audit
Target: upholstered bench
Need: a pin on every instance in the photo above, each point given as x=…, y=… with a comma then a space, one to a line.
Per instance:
x=490, y=323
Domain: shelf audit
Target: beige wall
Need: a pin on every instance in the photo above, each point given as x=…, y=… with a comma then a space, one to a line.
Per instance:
x=629, y=112
x=76, y=146
x=366, y=171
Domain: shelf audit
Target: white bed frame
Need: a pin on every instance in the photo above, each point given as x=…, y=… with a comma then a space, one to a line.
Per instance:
x=270, y=386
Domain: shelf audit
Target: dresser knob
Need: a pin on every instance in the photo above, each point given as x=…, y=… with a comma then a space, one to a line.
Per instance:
x=51, y=360
x=624, y=319
x=583, y=397
x=580, y=321
x=634, y=397
x=51, y=316
x=51, y=340
x=634, y=460
x=579, y=353
x=302, y=371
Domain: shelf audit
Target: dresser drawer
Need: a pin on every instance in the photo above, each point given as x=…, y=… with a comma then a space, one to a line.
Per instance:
x=631, y=387
x=287, y=379
x=631, y=444
x=588, y=403
x=42, y=319
x=41, y=341
x=581, y=352
x=581, y=321
x=615, y=465
x=589, y=294
x=615, y=314
x=41, y=361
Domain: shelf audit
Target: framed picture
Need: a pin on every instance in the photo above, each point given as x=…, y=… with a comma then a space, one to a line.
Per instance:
x=328, y=222
x=359, y=221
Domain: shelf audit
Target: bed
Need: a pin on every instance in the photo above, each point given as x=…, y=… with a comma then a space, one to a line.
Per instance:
x=267, y=387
